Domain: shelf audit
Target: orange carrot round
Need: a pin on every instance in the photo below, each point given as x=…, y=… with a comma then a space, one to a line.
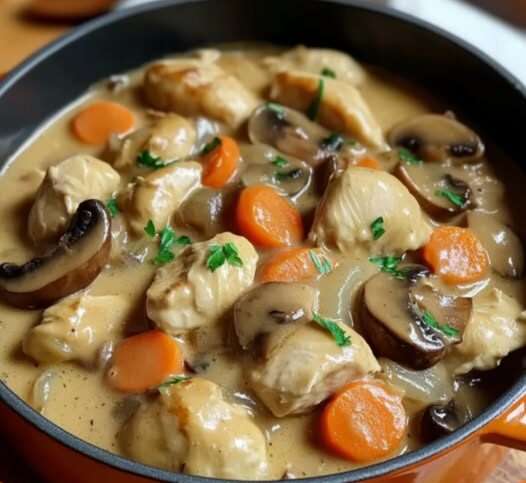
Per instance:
x=290, y=265
x=97, y=122
x=364, y=422
x=369, y=162
x=456, y=255
x=145, y=361
x=267, y=219
x=221, y=163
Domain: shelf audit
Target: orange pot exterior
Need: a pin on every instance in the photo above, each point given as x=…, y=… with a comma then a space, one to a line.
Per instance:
x=58, y=463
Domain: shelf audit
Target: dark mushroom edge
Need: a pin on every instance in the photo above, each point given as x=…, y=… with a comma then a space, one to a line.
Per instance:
x=76, y=260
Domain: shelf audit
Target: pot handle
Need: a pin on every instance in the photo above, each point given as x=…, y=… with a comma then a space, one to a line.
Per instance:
x=509, y=429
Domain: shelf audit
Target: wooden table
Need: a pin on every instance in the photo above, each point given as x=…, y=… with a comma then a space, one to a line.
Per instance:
x=20, y=35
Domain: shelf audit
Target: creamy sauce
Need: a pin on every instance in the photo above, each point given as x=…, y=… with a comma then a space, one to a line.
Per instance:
x=80, y=400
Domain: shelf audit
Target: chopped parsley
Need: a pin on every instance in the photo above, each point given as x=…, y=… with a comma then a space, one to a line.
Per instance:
x=323, y=265
x=277, y=109
x=149, y=229
x=167, y=240
x=333, y=142
x=279, y=161
x=113, y=207
x=452, y=197
x=147, y=159
x=312, y=110
x=377, y=228
x=286, y=175
x=389, y=265
x=219, y=254
x=429, y=319
x=209, y=147
x=339, y=335
x=326, y=72
x=408, y=157
x=172, y=381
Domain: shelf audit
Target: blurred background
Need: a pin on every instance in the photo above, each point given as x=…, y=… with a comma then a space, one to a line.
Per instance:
x=498, y=27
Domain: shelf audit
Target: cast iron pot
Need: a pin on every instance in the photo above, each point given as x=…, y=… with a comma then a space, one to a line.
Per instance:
x=465, y=77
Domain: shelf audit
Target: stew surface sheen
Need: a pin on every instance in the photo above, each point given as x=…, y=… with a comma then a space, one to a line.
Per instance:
x=297, y=265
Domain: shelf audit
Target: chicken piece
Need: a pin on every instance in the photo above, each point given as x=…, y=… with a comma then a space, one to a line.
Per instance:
x=302, y=367
x=195, y=428
x=65, y=186
x=186, y=294
x=75, y=328
x=497, y=327
x=342, y=107
x=356, y=198
x=157, y=196
x=314, y=61
x=193, y=87
x=247, y=69
x=169, y=138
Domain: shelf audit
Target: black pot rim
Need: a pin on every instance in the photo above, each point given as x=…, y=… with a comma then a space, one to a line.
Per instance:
x=407, y=460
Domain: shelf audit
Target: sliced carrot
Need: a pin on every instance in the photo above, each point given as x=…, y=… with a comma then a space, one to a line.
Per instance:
x=291, y=265
x=98, y=121
x=457, y=255
x=144, y=361
x=369, y=162
x=363, y=422
x=267, y=219
x=221, y=163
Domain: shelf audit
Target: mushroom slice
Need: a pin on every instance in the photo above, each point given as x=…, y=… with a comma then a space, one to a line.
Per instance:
x=265, y=165
x=504, y=247
x=207, y=210
x=436, y=137
x=72, y=265
x=410, y=321
x=271, y=306
x=439, y=420
x=439, y=193
x=292, y=133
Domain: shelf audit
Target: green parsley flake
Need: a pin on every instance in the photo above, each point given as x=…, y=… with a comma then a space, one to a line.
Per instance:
x=452, y=197
x=113, y=207
x=312, y=110
x=429, y=319
x=277, y=109
x=218, y=255
x=377, y=228
x=149, y=229
x=389, y=265
x=167, y=239
x=408, y=157
x=173, y=380
x=333, y=142
x=279, y=161
x=209, y=147
x=286, y=175
x=339, y=335
x=326, y=72
x=322, y=264
x=147, y=159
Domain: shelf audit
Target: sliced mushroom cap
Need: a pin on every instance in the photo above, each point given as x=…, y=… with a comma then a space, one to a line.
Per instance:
x=410, y=321
x=208, y=210
x=264, y=165
x=292, y=133
x=440, y=420
x=504, y=247
x=271, y=306
x=439, y=193
x=435, y=137
x=79, y=257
